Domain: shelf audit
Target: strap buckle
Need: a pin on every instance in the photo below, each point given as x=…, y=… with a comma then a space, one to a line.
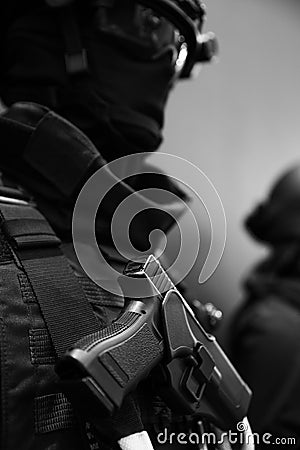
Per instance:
x=76, y=63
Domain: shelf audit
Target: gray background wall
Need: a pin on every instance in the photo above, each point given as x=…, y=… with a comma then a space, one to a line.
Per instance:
x=239, y=122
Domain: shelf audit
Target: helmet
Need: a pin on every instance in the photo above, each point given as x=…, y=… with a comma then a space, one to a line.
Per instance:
x=277, y=219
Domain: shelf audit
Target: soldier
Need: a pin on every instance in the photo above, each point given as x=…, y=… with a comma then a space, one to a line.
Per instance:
x=266, y=338
x=83, y=83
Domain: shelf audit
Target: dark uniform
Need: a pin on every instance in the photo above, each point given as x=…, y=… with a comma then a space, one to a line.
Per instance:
x=106, y=67
x=266, y=339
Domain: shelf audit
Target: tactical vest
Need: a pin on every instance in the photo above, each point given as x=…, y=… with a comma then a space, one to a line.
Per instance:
x=37, y=283
x=35, y=414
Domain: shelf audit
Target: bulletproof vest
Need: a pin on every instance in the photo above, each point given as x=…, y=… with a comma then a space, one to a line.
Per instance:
x=34, y=411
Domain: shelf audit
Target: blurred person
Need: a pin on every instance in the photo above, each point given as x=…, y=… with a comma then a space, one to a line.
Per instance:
x=266, y=328
x=83, y=83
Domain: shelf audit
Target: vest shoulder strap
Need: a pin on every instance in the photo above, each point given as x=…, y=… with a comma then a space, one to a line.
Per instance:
x=36, y=248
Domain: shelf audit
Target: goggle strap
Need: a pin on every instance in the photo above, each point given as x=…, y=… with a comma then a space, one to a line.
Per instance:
x=75, y=54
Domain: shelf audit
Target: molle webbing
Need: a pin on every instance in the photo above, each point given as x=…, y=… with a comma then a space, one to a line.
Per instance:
x=53, y=412
x=66, y=311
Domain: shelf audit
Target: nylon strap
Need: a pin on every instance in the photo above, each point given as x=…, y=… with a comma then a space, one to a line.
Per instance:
x=75, y=53
x=65, y=309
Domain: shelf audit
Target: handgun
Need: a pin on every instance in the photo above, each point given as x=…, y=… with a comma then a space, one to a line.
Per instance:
x=160, y=336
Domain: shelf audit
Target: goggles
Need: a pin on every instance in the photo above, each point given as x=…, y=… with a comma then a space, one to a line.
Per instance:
x=151, y=28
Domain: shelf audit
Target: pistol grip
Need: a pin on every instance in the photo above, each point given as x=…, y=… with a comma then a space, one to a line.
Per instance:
x=103, y=367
